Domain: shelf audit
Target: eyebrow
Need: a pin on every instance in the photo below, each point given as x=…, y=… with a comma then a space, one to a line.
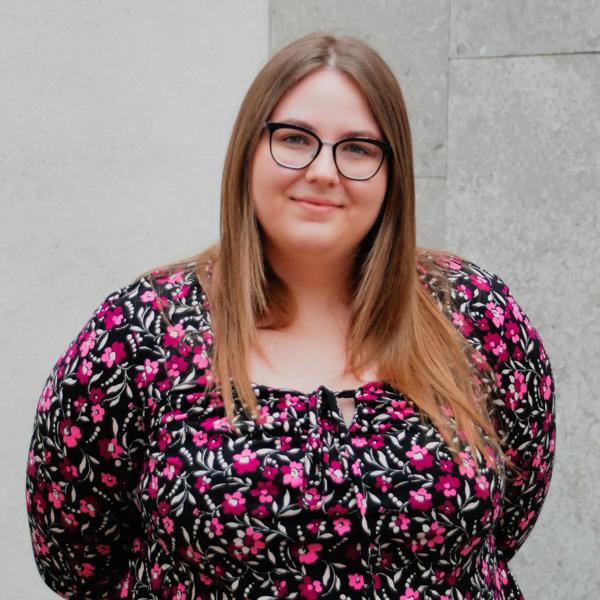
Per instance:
x=362, y=133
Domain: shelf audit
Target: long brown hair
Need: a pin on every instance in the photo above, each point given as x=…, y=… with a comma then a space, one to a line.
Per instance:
x=395, y=324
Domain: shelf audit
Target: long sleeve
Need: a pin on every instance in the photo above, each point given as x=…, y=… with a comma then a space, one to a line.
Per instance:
x=85, y=455
x=522, y=403
x=524, y=411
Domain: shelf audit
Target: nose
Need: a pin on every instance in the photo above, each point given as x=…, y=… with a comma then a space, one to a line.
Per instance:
x=323, y=169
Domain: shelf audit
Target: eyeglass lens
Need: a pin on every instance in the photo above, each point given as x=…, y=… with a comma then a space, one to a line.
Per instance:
x=354, y=159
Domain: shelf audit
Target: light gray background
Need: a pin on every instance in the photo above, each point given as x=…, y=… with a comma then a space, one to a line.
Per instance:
x=114, y=117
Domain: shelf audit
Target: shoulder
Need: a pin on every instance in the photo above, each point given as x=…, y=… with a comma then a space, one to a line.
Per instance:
x=478, y=301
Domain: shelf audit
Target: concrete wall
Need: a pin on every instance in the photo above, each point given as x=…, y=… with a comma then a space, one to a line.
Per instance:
x=114, y=118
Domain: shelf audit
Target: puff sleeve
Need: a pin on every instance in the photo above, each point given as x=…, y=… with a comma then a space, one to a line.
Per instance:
x=85, y=455
x=522, y=402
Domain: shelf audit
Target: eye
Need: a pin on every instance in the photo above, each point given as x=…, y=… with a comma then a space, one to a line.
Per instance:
x=358, y=149
x=292, y=138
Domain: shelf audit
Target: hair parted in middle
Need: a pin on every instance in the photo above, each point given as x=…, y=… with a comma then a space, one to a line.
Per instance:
x=395, y=323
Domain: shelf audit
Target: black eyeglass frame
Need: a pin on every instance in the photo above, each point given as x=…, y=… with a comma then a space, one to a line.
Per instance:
x=272, y=126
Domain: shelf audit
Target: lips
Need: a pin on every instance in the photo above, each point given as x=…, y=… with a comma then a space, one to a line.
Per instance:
x=317, y=201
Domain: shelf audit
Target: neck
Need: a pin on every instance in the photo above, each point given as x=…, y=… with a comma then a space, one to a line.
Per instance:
x=318, y=284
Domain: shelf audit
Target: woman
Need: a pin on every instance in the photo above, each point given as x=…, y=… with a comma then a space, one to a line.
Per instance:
x=311, y=408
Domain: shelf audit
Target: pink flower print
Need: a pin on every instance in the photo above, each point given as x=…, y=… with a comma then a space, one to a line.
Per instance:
x=431, y=535
x=467, y=465
x=480, y=282
x=108, y=479
x=45, y=399
x=361, y=503
x=173, y=335
x=410, y=594
x=96, y=395
x=420, y=457
x=524, y=522
x=511, y=331
x=245, y=462
x=376, y=441
x=202, y=484
x=55, y=495
x=464, y=324
x=265, y=490
x=87, y=344
x=248, y=542
x=179, y=593
x=514, y=308
x=79, y=403
x=234, y=503
x=70, y=433
x=109, y=448
x=356, y=581
x=496, y=313
x=214, y=441
x=447, y=484
x=113, y=354
x=216, y=527
x=281, y=586
x=200, y=438
x=173, y=467
x=447, y=507
x=68, y=520
x=359, y=442
x=113, y=318
x=89, y=505
x=383, y=483
x=97, y=413
x=464, y=291
x=176, y=366
x=148, y=296
x=293, y=474
x=400, y=523
x=310, y=588
x=421, y=499
x=85, y=371
x=309, y=554
x=468, y=547
x=546, y=387
x=482, y=487
x=153, y=486
x=200, y=358
x=190, y=554
x=86, y=569
x=335, y=472
x=401, y=409
x=68, y=470
x=341, y=526
x=312, y=499
x=168, y=524
x=155, y=576
x=493, y=342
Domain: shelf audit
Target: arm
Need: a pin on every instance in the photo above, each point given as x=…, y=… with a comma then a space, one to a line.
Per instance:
x=85, y=456
x=522, y=396
x=524, y=410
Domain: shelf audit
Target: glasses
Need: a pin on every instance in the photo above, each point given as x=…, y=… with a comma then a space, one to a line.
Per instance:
x=295, y=147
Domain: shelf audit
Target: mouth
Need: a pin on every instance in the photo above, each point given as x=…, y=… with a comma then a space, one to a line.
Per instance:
x=319, y=203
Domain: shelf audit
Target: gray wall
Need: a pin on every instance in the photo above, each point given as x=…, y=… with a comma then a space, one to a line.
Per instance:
x=113, y=122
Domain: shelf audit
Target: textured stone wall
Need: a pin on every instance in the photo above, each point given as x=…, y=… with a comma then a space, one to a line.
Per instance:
x=114, y=119
x=504, y=103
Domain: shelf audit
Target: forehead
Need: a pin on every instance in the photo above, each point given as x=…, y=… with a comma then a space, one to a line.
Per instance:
x=327, y=99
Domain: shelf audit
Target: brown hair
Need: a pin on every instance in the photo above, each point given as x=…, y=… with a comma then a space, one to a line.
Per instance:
x=395, y=323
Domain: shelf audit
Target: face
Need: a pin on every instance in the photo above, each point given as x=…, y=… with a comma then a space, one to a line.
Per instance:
x=289, y=203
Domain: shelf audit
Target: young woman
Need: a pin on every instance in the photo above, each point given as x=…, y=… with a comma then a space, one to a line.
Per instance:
x=313, y=407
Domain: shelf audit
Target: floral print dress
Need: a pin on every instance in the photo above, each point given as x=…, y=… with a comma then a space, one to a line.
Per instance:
x=138, y=488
